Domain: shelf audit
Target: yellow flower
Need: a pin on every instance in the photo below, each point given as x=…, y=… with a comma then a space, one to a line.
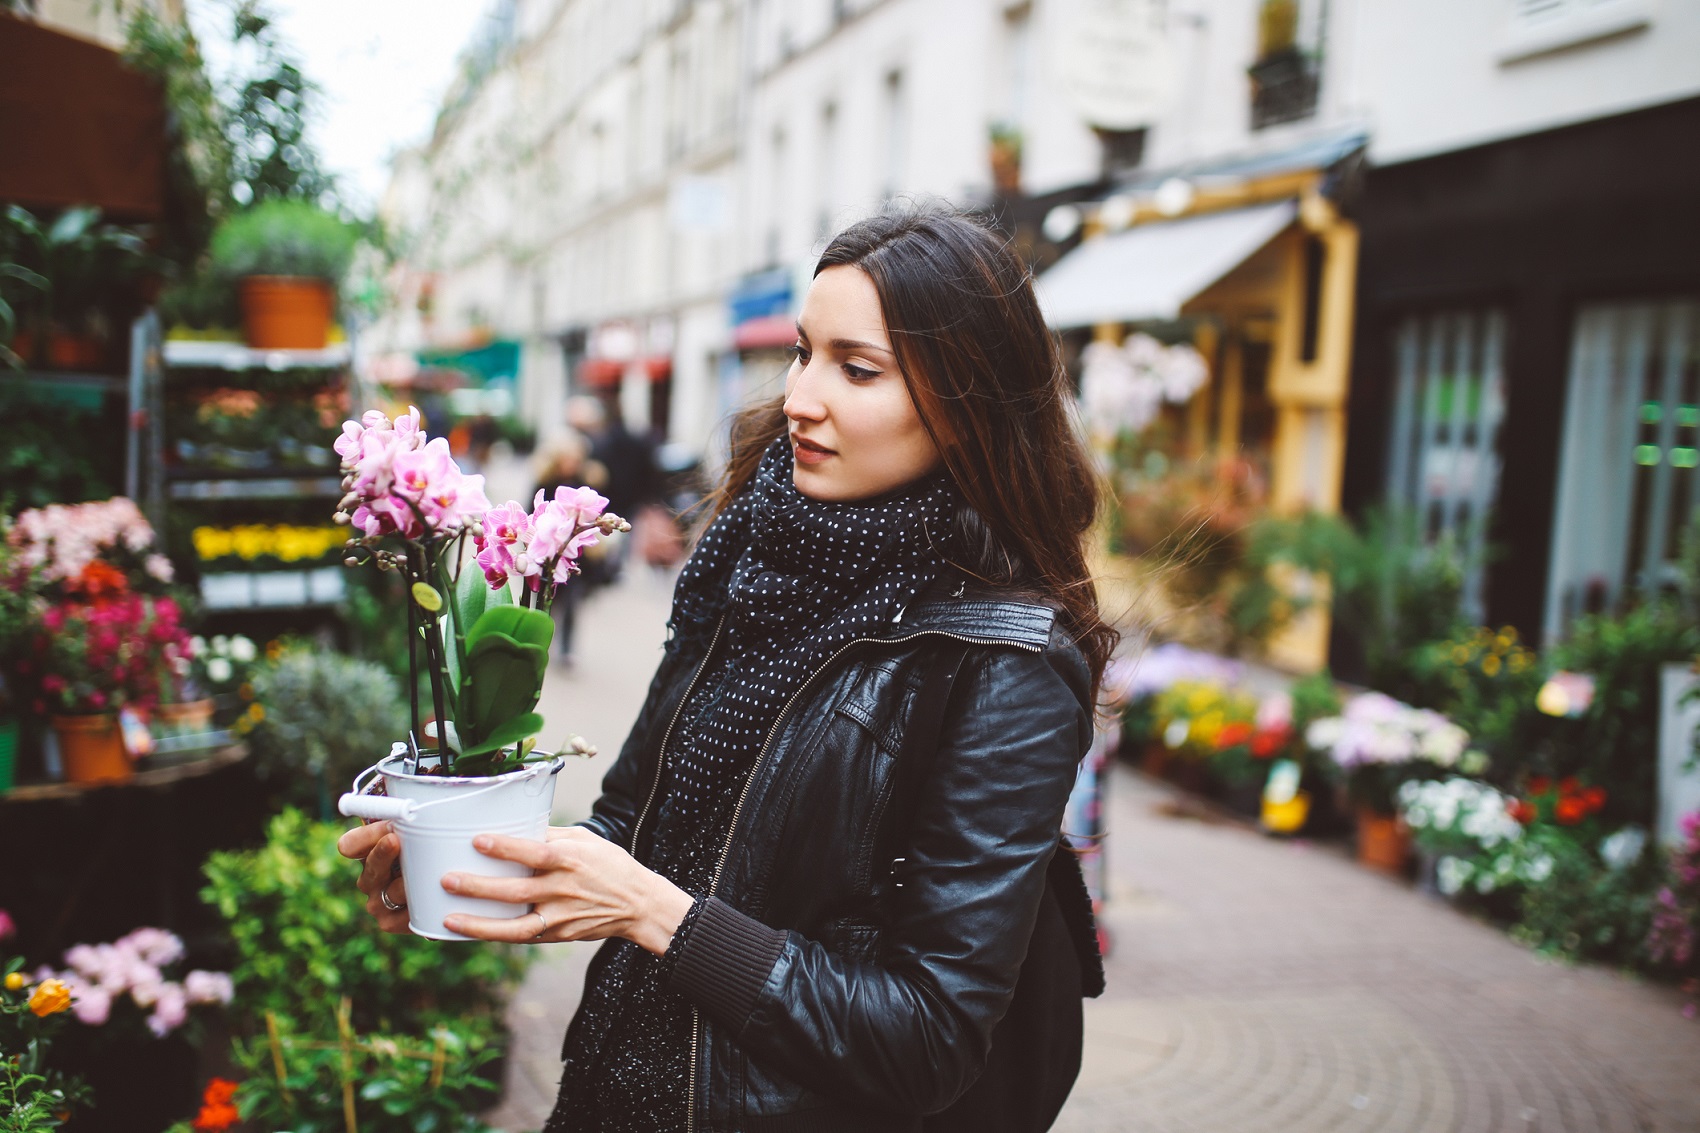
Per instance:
x=1460, y=655
x=1490, y=665
x=253, y=540
x=15, y=980
x=212, y=542
x=50, y=998
x=1519, y=661
x=256, y=712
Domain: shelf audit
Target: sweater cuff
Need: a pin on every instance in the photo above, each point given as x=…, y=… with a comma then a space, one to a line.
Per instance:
x=723, y=961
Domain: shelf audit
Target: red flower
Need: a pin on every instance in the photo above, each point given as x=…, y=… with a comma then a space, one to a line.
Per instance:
x=1232, y=735
x=217, y=1112
x=1570, y=810
x=1523, y=812
x=1569, y=785
x=1540, y=785
x=1593, y=798
x=1266, y=744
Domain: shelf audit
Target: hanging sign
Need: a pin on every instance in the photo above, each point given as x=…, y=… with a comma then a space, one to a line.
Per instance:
x=1113, y=59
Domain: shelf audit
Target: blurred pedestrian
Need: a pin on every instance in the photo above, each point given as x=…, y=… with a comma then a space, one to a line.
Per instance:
x=565, y=462
x=633, y=482
x=826, y=860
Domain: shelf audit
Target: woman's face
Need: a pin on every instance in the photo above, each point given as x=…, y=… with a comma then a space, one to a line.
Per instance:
x=854, y=429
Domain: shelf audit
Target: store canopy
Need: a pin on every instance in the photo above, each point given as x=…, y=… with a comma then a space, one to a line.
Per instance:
x=77, y=127
x=1149, y=272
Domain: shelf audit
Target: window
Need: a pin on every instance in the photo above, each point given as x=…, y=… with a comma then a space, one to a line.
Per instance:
x=1120, y=151
x=1286, y=78
x=1443, y=456
x=827, y=167
x=1630, y=447
x=1539, y=26
x=896, y=134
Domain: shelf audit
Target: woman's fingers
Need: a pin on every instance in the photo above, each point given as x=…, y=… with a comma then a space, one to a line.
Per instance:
x=379, y=865
x=523, y=929
x=525, y=851
x=357, y=843
x=513, y=890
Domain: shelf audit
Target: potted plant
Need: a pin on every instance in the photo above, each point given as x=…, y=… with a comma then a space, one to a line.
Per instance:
x=287, y=257
x=96, y=658
x=84, y=272
x=482, y=649
x=1376, y=744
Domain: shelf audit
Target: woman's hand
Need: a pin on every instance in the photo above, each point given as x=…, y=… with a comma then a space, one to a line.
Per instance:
x=379, y=848
x=586, y=888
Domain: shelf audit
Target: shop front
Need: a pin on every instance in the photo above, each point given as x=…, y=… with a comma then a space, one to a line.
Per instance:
x=1256, y=272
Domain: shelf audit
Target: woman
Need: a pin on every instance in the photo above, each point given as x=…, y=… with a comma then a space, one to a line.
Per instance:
x=921, y=484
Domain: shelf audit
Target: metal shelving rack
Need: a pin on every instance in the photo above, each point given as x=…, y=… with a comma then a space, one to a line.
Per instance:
x=313, y=588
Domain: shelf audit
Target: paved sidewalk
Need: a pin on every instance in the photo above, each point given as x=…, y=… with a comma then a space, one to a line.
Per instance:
x=1254, y=987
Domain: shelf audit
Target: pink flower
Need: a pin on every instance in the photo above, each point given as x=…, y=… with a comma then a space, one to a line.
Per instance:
x=8, y=927
x=155, y=946
x=563, y=527
x=171, y=1010
x=92, y=1003
x=208, y=987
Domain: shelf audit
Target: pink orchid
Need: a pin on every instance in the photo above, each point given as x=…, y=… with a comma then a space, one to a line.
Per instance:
x=502, y=542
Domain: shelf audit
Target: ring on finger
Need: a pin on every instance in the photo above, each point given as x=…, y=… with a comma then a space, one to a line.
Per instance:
x=392, y=906
x=542, y=920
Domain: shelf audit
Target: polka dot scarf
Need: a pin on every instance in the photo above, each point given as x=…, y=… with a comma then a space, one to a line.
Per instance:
x=798, y=579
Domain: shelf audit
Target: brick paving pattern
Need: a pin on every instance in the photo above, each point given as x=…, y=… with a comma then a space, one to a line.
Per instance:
x=1254, y=987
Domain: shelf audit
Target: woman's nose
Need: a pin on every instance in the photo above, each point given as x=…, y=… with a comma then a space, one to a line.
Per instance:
x=802, y=400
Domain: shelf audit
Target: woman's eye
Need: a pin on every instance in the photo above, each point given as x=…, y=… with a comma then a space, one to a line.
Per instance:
x=859, y=373
x=799, y=352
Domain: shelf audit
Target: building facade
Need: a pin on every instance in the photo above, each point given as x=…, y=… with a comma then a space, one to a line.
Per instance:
x=1525, y=377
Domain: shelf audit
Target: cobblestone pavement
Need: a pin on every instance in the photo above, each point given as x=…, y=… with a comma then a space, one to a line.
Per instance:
x=1254, y=986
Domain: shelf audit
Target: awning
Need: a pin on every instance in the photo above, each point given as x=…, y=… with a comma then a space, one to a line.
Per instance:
x=1149, y=272
x=77, y=126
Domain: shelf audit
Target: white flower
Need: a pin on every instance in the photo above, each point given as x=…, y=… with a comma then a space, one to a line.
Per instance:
x=1538, y=869
x=242, y=649
x=197, y=645
x=1450, y=875
x=1623, y=849
x=1175, y=734
x=219, y=670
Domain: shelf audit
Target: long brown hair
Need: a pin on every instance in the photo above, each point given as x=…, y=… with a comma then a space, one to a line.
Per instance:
x=986, y=378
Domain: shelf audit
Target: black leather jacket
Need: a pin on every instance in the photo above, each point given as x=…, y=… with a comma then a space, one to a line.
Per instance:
x=830, y=992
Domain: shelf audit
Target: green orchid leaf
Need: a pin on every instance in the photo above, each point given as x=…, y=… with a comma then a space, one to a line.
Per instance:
x=504, y=672
x=472, y=596
x=515, y=731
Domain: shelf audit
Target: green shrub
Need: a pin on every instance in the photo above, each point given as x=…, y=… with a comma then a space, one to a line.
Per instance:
x=401, y=1084
x=1616, y=742
x=1582, y=908
x=303, y=940
x=284, y=237
x=323, y=718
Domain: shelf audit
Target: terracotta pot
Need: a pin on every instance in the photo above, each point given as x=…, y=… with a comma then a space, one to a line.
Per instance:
x=92, y=748
x=67, y=351
x=1384, y=841
x=184, y=717
x=285, y=312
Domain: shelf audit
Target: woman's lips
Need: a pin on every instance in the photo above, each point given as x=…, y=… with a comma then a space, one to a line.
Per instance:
x=808, y=452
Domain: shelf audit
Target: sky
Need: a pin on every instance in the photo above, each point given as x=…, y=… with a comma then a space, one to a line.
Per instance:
x=383, y=67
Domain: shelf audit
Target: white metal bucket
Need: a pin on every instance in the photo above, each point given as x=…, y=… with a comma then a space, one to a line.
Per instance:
x=438, y=816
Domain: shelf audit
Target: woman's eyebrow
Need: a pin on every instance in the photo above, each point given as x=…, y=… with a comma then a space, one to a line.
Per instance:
x=847, y=343
x=857, y=344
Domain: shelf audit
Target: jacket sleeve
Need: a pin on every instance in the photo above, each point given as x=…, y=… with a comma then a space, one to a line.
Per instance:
x=624, y=788
x=912, y=1031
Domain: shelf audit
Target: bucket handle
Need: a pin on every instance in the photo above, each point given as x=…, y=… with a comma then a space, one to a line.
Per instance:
x=358, y=804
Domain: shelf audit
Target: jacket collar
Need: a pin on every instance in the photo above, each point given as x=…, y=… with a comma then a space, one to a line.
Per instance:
x=978, y=616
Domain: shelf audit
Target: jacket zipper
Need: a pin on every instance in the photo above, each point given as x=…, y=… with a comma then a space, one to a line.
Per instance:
x=667, y=736
x=750, y=778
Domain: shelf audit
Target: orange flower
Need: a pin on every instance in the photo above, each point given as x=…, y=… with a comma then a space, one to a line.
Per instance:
x=1593, y=798
x=217, y=1112
x=49, y=998
x=1570, y=810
